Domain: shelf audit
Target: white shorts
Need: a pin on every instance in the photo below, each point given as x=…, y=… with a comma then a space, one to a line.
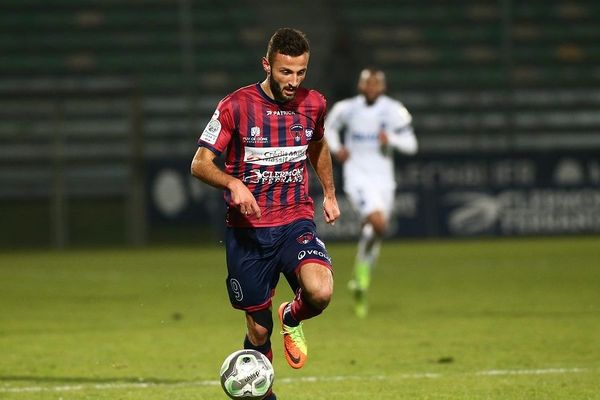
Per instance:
x=368, y=199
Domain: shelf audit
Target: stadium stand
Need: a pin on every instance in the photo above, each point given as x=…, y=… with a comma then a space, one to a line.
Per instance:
x=97, y=87
x=492, y=75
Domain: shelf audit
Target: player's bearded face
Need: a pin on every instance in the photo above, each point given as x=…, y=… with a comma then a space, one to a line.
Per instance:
x=277, y=89
x=287, y=73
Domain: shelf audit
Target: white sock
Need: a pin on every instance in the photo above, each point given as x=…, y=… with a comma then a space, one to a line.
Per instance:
x=373, y=254
x=369, y=246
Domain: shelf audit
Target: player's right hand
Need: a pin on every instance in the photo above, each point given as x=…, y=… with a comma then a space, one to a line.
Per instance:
x=242, y=198
x=331, y=210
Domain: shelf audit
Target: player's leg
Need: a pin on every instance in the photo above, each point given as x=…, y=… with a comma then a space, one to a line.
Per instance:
x=260, y=328
x=252, y=277
x=258, y=336
x=374, y=205
x=307, y=267
x=313, y=296
x=369, y=245
x=368, y=203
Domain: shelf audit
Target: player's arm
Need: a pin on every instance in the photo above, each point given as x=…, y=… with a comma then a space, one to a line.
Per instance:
x=320, y=158
x=401, y=136
x=333, y=126
x=403, y=140
x=204, y=168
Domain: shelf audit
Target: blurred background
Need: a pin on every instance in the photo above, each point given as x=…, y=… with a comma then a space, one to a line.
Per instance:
x=101, y=103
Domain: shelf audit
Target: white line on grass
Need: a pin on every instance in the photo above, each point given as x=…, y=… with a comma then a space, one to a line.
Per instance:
x=504, y=372
x=340, y=378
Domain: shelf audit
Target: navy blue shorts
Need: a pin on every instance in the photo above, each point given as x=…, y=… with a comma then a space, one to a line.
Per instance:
x=257, y=256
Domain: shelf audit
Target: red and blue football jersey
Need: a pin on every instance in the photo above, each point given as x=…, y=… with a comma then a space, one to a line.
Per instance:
x=266, y=144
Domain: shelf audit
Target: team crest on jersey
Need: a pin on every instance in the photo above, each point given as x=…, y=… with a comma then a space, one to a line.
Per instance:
x=305, y=238
x=296, y=130
x=308, y=132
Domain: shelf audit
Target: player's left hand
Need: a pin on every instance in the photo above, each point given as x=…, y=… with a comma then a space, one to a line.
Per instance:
x=331, y=211
x=342, y=155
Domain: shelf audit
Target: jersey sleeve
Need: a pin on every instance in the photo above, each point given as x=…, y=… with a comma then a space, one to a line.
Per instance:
x=401, y=134
x=400, y=117
x=320, y=122
x=219, y=130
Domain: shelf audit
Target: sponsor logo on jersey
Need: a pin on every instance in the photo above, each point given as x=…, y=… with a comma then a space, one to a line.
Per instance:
x=279, y=113
x=304, y=253
x=365, y=137
x=211, y=132
x=274, y=155
x=267, y=177
x=255, y=137
x=305, y=238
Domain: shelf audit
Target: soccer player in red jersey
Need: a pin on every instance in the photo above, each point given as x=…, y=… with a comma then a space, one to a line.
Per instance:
x=267, y=132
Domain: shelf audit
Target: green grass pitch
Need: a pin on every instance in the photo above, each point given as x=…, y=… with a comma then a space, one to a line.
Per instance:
x=472, y=319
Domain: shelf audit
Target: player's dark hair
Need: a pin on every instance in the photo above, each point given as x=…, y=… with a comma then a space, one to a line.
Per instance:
x=288, y=41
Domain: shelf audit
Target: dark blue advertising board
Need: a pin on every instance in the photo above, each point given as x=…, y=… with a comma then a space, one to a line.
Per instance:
x=456, y=195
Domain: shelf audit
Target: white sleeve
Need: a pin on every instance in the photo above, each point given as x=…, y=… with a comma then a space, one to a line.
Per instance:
x=333, y=125
x=400, y=133
x=404, y=141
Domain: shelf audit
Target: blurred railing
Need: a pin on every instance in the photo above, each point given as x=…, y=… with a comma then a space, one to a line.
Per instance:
x=65, y=140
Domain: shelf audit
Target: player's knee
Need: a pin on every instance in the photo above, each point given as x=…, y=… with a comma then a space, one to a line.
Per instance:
x=377, y=221
x=321, y=296
x=258, y=335
x=317, y=285
x=380, y=228
x=260, y=327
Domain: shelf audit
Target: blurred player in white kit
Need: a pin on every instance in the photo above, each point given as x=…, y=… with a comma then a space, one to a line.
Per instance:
x=373, y=125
